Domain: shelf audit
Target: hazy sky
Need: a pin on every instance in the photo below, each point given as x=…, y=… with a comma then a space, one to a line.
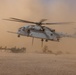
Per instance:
x=34, y=10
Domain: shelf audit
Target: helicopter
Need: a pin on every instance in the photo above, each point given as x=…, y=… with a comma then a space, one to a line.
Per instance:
x=39, y=30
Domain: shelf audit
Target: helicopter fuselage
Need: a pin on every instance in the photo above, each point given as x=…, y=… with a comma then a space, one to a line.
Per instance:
x=41, y=32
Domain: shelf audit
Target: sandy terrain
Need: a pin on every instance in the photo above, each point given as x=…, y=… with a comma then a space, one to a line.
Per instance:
x=37, y=64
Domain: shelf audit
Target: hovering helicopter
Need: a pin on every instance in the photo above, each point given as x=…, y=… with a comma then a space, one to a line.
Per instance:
x=39, y=30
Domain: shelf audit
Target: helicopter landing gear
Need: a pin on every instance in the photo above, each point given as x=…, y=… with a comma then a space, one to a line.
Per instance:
x=18, y=35
x=46, y=40
x=58, y=39
x=42, y=41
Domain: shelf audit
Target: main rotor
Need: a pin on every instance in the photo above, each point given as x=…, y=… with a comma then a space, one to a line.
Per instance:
x=40, y=23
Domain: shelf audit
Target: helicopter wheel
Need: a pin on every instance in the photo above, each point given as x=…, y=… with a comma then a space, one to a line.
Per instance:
x=18, y=35
x=58, y=39
x=42, y=40
x=46, y=40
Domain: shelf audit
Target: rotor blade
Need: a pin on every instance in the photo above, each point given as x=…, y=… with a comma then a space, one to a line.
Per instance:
x=57, y=23
x=19, y=20
x=13, y=20
x=43, y=20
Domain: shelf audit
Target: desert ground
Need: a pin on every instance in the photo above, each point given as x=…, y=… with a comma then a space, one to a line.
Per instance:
x=37, y=64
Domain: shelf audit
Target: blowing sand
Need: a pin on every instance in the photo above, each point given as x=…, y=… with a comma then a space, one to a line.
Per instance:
x=37, y=64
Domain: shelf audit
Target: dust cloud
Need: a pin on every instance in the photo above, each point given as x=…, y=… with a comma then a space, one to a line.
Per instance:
x=35, y=10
